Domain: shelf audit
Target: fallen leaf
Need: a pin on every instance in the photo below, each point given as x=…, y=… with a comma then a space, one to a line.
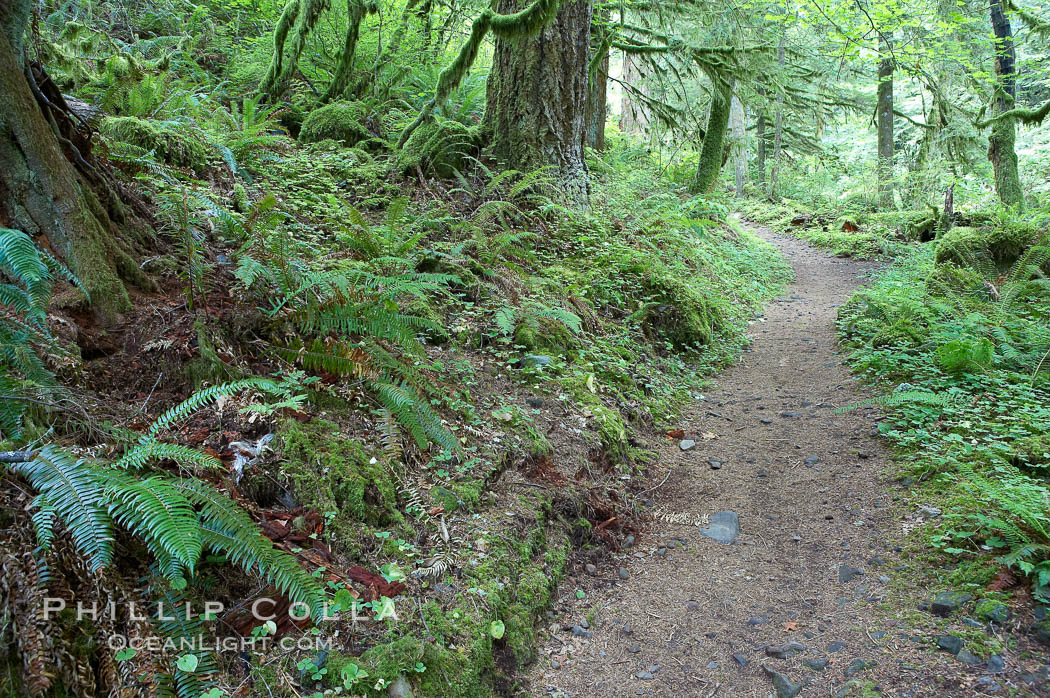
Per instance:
x=675, y=433
x=791, y=625
x=708, y=435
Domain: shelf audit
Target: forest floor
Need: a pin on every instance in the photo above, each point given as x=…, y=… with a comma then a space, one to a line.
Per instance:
x=813, y=593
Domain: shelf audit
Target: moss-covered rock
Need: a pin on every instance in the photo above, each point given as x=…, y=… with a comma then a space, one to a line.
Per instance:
x=335, y=475
x=679, y=312
x=439, y=147
x=346, y=122
x=173, y=143
x=968, y=247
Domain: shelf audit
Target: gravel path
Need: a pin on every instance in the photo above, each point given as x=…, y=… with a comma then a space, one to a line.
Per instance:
x=689, y=616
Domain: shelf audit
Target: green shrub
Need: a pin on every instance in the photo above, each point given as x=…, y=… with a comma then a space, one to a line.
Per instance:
x=967, y=247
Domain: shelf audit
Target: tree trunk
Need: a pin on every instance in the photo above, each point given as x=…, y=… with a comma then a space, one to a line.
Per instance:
x=598, y=81
x=42, y=193
x=738, y=132
x=355, y=12
x=712, y=150
x=778, y=133
x=537, y=94
x=885, y=126
x=760, y=160
x=634, y=114
x=1001, y=140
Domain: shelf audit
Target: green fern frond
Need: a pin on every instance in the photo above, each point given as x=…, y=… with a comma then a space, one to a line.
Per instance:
x=159, y=514
x=200, y=399
x=72, y=489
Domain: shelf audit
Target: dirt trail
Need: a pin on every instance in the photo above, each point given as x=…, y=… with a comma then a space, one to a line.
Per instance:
x=696, y=617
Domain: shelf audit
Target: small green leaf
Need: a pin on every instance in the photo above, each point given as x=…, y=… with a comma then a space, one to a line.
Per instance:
x=497, y=629
x=187, y=663
x=125, y=654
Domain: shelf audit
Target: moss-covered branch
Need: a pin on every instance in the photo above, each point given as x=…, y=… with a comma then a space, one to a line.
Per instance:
x=296, y=22
x=355, y=12
x=1037, y=25
x=1025, y=116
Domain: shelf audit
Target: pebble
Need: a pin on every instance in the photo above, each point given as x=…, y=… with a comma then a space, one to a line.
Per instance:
x=686, y=444
x=766, y=420
x=847, y=573
x=812, y=460
x=996, y=665
x=740, y=659
x=628, y=541
x=580, y=631
x=644, y=675
x=724, y=527
x=555, y=664
x=623, y=573
x=950, y=643
x=836, y=646
x=816, y=663
x=858, y=665
x=968, y=658
x=712, y=665
x=590, y=569
x=634, y=649
x=788, y=649
x=715, y=464
x=947, y=602
x=784, y=686
x=884, y=579
x=692, y=606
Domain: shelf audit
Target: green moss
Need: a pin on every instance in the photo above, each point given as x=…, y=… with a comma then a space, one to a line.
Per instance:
x=439, y=147
x=1001, y=244
x=992, y=610
x=975, y=573
x=1032, y=451
x=339, y=121
x=679, y=312
x=332, y=473
x=613, y=433
x=171, y=142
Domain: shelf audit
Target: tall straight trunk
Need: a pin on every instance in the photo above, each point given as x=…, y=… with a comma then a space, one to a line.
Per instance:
x=41, y=192
x=778, y=131
x=884, y=113
x=738, y=132
x=597, y=88
x=635, y=115
x=537, y=95
x=760, y=160
x=1001, y=140
x=713, y=147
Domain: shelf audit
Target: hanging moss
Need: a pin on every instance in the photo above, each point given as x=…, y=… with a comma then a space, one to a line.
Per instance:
x=171, y=142
x=439, y=147
x=338, y=121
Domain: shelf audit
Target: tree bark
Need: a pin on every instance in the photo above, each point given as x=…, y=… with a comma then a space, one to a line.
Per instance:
x=598, y=81
x=884, y=112
x=738, y=132
x=43, y=194
x=537, y=94
x=712, y=150
x=635, y=116
x=1001, y=141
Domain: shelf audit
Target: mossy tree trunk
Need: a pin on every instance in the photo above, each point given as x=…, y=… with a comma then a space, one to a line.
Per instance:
x=884, y=115
x=635, y=114
x=41, y=191
x=712, y=150
x=537, y=94
x=778, y=129
x=1001, y=140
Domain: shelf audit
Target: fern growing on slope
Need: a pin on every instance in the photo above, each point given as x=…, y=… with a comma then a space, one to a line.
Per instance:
x=26, y=343
x=347, y=321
